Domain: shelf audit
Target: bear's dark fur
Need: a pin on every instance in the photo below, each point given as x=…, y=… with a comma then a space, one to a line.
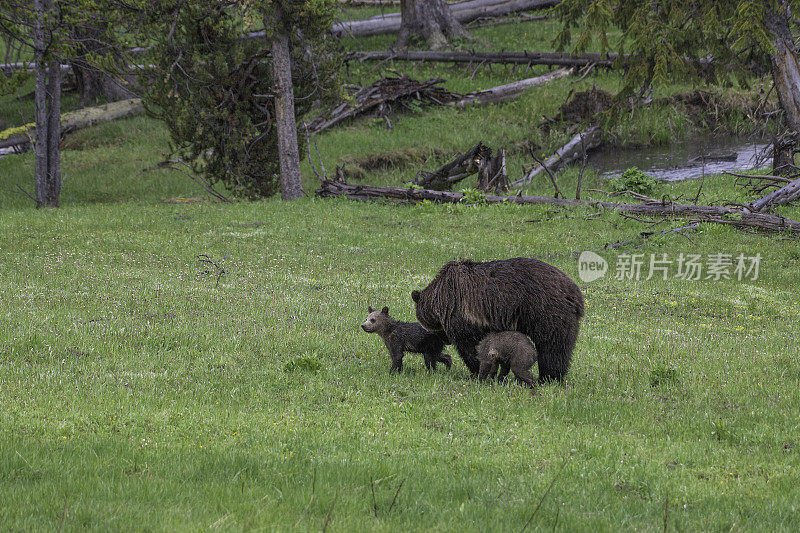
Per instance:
x=401, y=337
x=510, y=350
x=468, y=300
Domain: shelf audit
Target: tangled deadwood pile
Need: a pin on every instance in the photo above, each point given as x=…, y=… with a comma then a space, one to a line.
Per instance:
x=381, y=96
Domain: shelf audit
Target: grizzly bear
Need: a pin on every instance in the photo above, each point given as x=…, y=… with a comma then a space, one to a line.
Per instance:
x=510, y=350
x=468, y=300
x=401, y=337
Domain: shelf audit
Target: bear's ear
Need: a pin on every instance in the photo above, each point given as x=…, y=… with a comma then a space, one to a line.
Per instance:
x=415, y=296
x=370, y=309
x=385, y=310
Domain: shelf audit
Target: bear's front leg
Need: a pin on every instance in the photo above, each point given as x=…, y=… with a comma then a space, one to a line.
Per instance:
x=444, y=358
x=430, y=361
x=504, y=370
x=469, y=354
x=486, y=369
x=396, y=352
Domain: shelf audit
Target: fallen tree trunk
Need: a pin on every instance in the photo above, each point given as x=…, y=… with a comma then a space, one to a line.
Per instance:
x=572, y=151
x=462, y=11
x=19, y=137
x=372, y=3
x=703, y=213
x=563, y=59
x=510, y=91
x=784, y=195
x=464, y=165
x=381, y=93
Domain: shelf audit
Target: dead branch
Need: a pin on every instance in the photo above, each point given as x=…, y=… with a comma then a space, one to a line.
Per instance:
x=574, y=149
x=758, y=176
x=462, y=166
x=733, y=216
x=562, y=59
x=549, y=174
x=782, y=196
x=492, y=173
x=381, y=93
x=510, y=91
x=82, y=118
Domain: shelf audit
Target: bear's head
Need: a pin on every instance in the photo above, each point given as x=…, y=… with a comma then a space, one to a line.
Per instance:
x=426, y=314
x=376, y=321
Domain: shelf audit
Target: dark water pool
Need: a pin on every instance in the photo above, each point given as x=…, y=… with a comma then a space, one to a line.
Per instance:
x=686, y=160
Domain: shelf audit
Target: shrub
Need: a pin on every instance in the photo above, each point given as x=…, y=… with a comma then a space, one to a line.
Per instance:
x=634, y=180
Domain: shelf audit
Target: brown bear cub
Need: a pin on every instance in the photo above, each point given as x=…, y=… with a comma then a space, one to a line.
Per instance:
x=510, y=350
x=401, y=337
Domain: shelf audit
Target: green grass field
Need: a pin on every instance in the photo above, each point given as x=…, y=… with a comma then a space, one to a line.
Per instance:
x=142, y=390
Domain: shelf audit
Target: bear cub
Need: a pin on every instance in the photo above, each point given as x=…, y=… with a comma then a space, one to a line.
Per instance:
x=401, y=337
x=510, y=350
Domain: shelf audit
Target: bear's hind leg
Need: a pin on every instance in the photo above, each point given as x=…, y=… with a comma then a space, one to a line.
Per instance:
x=555, y=353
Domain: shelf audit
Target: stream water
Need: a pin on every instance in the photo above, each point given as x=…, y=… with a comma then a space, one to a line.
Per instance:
x=686, y=160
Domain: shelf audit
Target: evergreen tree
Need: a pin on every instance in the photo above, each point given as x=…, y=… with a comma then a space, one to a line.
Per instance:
x=218, y=93
x=672, y=38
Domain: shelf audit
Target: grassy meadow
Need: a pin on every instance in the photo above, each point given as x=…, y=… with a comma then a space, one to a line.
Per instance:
x=143, y=389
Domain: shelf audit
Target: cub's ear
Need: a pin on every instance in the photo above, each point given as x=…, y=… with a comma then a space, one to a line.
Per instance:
x=415, y=296
x=385, y=310
x=370, y=309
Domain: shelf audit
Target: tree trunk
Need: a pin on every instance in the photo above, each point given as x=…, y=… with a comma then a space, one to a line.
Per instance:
x=429, y=19
x=92, y=83
x=288, y=153
x=786, y=75
x=47, y=166
x=785, y=66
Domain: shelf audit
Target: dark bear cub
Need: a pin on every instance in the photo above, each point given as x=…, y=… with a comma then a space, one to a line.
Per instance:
x=401, y=337
x=510, y=350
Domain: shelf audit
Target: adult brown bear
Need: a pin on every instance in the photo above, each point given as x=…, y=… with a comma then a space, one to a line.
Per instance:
x=468, y=300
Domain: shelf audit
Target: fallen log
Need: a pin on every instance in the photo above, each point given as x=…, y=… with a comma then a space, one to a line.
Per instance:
x=510, y=91
x=781, y=196
x=572, y=151
x=74, y=120
x=701, y=213
x=382, y=93
x=462, y=11
x=562, y=59
x=371, y=3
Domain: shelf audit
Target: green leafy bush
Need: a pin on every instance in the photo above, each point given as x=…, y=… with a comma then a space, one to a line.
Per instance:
x=473, y=197
x=634, y=180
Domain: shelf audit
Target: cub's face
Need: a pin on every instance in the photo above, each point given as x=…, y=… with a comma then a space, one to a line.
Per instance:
x=425, y=315
x=376, y=321
x=490, y=356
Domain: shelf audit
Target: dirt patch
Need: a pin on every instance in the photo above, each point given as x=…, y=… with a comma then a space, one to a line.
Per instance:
x=584, y=105
x=718, y=110
x=357, y=168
